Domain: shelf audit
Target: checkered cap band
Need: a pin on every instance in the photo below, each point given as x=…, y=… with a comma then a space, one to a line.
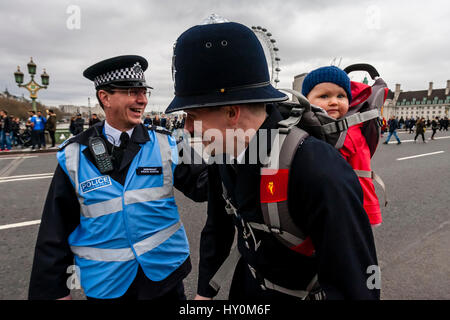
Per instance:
x=135, y=73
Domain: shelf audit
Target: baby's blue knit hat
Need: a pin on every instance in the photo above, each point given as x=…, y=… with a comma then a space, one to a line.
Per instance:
x=327, y=74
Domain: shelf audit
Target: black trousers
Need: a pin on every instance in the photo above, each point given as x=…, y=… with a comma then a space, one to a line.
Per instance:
x=42, y=137
x=434, y=132
x=52, y=137
x=142, y=288
x=36, y=138
x=417, y=134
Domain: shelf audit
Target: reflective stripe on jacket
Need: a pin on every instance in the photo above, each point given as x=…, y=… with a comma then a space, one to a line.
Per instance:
x=122, y=227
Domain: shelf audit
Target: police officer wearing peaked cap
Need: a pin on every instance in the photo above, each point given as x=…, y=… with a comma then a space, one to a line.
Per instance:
x=221, y=78
x=117, y=220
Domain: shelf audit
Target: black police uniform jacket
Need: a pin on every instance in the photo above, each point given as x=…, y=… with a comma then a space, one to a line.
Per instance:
x=324, y=200
x=61, y=215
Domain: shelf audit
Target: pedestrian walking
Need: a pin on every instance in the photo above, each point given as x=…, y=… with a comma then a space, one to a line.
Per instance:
x=401, y=122
x=406, y=123
x=111, y=204
x=411, y=125
x=393, y=126
x=434, y=127
x=420, y=129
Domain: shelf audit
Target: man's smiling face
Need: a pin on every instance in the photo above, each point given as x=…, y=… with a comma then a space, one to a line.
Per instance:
x=124, y=107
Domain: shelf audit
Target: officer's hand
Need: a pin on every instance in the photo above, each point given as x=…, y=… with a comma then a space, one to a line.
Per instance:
x=69, y=297
x=198, y=297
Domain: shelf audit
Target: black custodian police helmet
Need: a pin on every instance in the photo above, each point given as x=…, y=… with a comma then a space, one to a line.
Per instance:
x=118, y=72
x=220, y=64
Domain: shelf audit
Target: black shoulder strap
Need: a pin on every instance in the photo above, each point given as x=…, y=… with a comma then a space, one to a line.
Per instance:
x=276, y=214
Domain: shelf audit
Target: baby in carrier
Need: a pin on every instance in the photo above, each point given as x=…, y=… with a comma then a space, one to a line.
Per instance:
x=330, y=88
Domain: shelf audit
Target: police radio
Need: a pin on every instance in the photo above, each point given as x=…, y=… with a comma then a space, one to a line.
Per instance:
x=100, y=153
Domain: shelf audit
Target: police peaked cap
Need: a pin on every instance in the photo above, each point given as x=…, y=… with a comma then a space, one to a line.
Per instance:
x=220, y=64
x=118, y=72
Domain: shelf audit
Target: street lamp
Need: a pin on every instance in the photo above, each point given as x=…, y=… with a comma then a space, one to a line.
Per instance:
x=32, y=86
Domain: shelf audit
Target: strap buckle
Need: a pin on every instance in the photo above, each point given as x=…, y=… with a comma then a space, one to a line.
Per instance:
x=341, y=125
x=316, y=295
x=229, y=208
x=284, y=130
x=297, y=112
x=275, y=230
x=295, y=116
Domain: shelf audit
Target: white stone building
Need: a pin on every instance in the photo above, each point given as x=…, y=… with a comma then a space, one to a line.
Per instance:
x=429, y=103
x=85, y=111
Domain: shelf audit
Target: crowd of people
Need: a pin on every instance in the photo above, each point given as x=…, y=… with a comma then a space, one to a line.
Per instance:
x=169, y=123
x=28, y=133
x=418, y=125
x=172, y=123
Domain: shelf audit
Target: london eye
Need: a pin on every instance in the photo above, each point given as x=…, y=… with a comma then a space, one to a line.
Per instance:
x=271, y=52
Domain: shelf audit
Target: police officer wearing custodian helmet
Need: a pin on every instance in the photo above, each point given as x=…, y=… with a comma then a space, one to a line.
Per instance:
x=111, y=205
x=222, y=79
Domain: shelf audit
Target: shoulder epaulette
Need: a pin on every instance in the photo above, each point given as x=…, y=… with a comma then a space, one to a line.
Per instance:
x=66, y=143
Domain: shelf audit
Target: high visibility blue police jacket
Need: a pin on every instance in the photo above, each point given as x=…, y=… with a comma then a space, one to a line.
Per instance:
x=124, y=226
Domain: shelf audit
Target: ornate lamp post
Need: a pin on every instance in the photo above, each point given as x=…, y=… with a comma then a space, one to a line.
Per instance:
x=32, y=86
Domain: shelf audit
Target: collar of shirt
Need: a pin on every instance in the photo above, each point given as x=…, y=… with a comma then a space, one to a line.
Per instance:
x=113, y=135
x=240, y=157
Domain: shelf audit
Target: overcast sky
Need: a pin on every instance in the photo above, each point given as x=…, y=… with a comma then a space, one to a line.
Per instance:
x=407, y=41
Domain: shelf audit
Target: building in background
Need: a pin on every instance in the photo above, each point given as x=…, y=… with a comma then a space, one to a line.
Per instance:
x=429, y=103
x=5, y=94
x=85, y=111
x=297, y=84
